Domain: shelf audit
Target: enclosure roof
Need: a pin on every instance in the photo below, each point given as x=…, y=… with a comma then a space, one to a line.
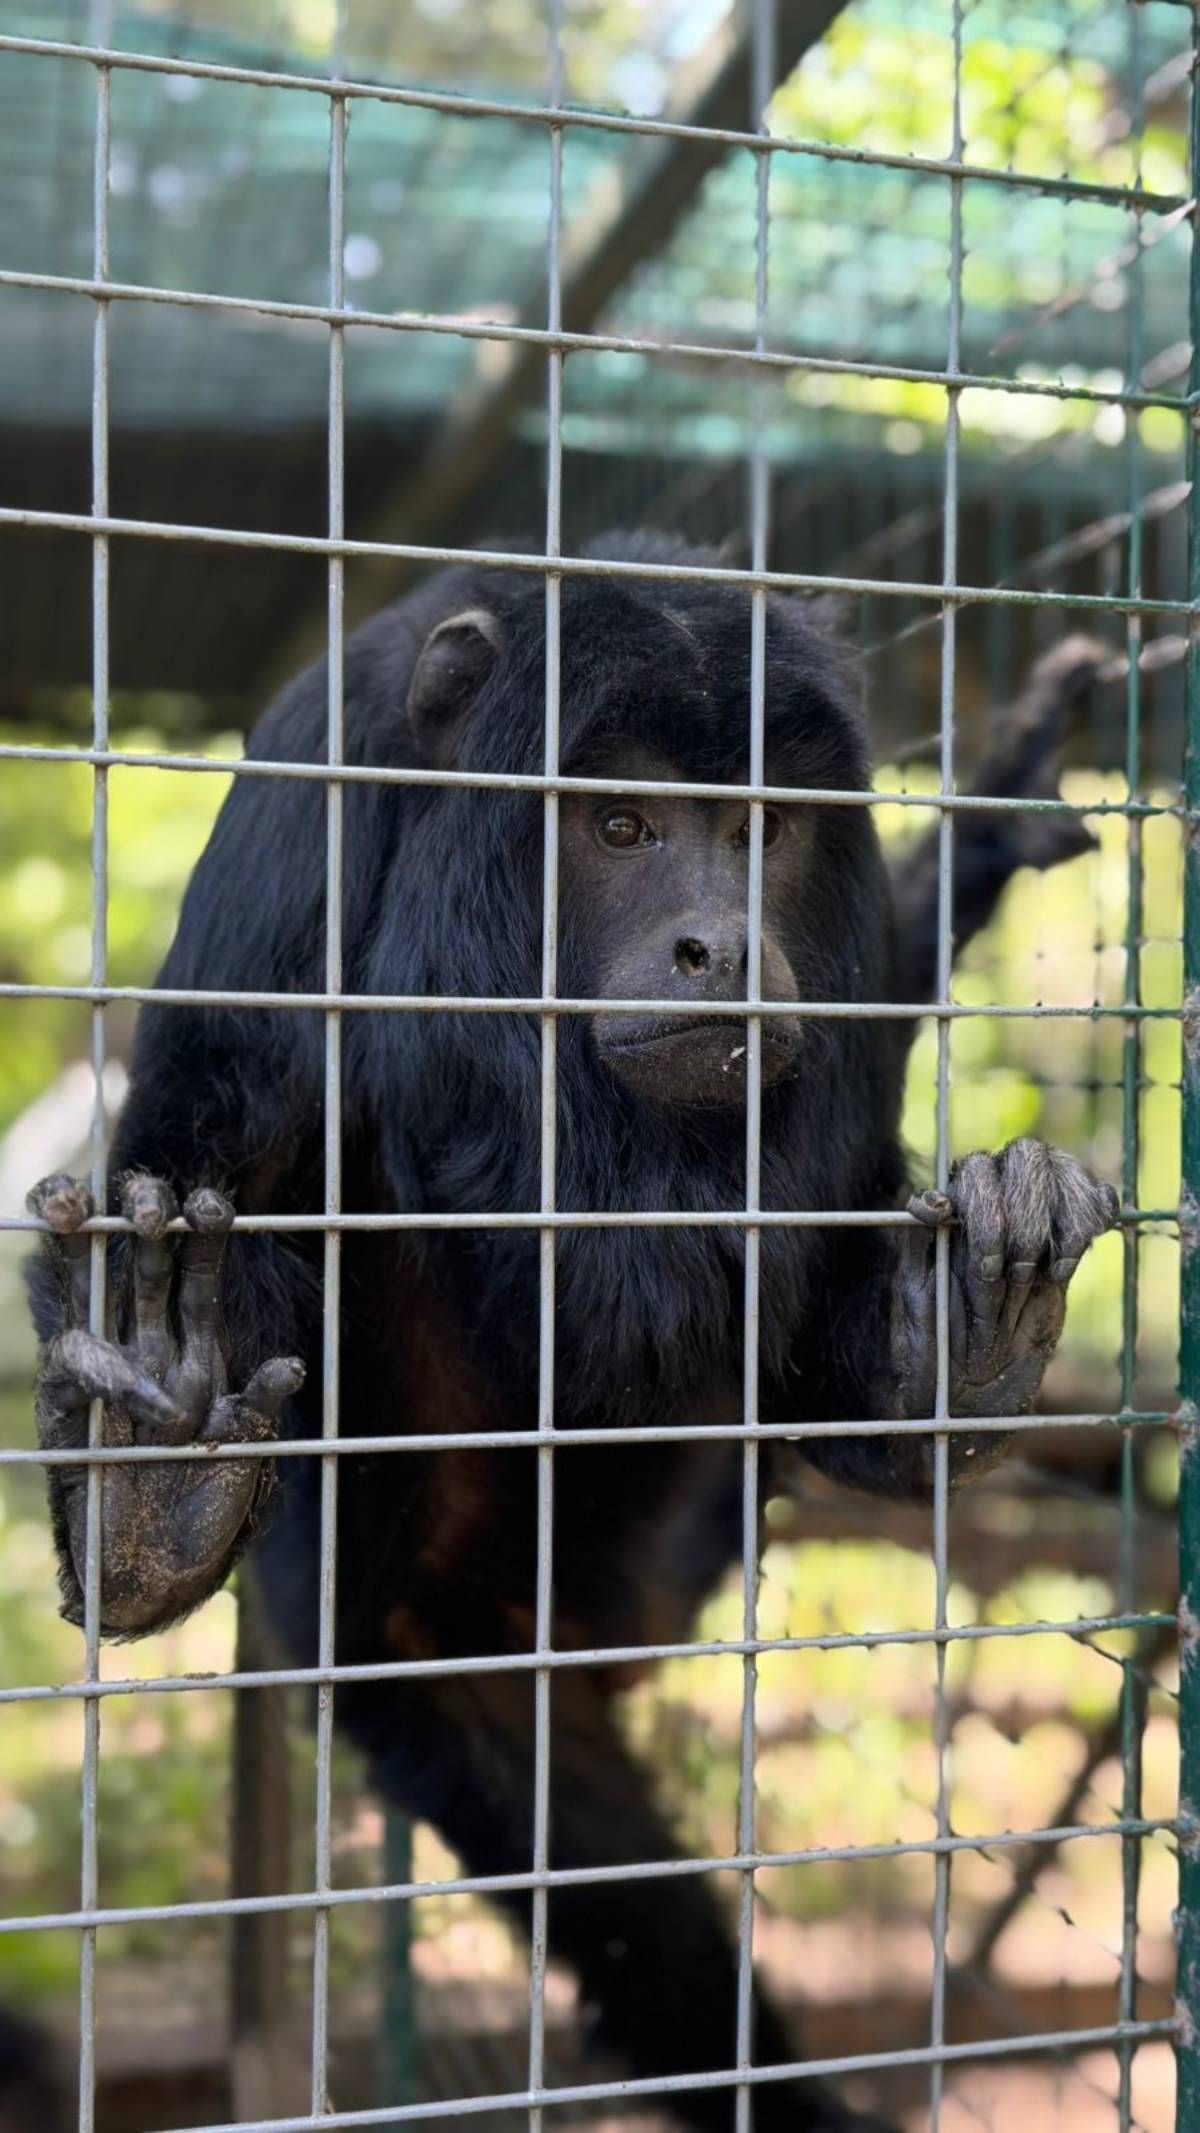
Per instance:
x=219, y=415
x=221, y=188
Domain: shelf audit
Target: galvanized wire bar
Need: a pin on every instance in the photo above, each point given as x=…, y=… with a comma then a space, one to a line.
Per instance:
x=1188, y=1981
x=89, y=1872
x=945, y=968
x=531, y=1439
x=535, y=781
x=582, y=566
x=452, y=326
x=763, y=74
x=372, y=1892
x=548, y=1155
x=331, y=1268
x=1134, y=1698
x=551, y=116
x=1079, y=1630
x=364, y=1003
x=590, y=1218
x=1057, y=2041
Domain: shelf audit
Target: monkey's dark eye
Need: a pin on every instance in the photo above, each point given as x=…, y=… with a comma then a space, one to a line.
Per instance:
x=621, y=830
x=772, y=829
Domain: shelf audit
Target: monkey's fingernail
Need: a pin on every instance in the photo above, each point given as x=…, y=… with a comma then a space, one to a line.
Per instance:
x=1062, y=1269
x=151, y=1404
x=1022, y=1271
x=208, y=1211
x=64, y=1202
x=148, y=1204
x=273, y=1383
x=931, y=1206
x=991, y=1266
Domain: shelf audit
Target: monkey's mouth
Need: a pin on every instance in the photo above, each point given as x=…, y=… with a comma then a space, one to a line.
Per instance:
x=691, y=1059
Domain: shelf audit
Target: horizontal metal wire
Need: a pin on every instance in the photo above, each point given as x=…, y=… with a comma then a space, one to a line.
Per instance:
x=562, y=1434
x=476, y=329
x=1059, y=2041
x=290, y=1677
x=537, y=782
x=565, y=116
x=606, y=567
x=557, y=1218
x=413, y=1003
x=570, y=1877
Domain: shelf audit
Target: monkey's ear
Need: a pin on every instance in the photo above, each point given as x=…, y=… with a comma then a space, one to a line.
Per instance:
x=452, y=666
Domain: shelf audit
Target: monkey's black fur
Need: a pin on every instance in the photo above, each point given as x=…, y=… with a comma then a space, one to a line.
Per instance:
x=31, y=2093
x=437, y=1552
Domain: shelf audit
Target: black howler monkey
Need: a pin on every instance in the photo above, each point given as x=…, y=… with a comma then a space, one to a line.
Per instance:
x=215, y=1341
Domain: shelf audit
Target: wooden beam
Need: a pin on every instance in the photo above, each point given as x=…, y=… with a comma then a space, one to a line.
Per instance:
x=630, y=217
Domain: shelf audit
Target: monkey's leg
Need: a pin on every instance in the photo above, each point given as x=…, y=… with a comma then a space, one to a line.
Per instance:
x=654, y=1956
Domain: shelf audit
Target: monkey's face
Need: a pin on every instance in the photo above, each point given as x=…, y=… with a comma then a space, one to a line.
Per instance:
x=656, y=892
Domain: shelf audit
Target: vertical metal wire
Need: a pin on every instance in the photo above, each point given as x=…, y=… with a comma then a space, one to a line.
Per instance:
x=762, y=78
x=334, y=827
x=89, y=1853
x=1187, y=2003
x=1133, y=1686
x=945, y=962
x=544, y=1604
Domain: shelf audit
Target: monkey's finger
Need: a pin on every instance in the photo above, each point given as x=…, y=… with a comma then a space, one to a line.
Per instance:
x=150, y=1205
x=932, y=1208
x=1029, y=1190
x=209, y=1215
x=1084, y=1207
x=1041, y=1320
x=273, y=1383
x=79, y=1368
x=62, y=1201
x=914, y=1331
x=981, y=1244
x=66, y=1203
x=230, y=1421
x=61, y=1413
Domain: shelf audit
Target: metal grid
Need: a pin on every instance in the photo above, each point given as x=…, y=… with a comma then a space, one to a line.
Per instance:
x=947, y=598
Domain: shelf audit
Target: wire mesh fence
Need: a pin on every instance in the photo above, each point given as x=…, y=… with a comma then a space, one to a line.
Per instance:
x=1157, y=628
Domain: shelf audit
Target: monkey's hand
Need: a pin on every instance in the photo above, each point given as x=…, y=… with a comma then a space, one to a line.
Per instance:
x=169, y=1531
x=1019, y=1224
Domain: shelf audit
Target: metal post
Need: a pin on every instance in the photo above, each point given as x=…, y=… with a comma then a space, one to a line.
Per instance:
x=548, y=1156
x=1134, y=1694
x=1188, y=1989
x=334, y=818
x=265, y=2074
x=945, y=964
x=398, y=2055
x=763, y=46
x=89, y=1851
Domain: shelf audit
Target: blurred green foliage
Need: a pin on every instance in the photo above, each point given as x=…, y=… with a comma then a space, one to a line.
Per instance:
x=158, y=824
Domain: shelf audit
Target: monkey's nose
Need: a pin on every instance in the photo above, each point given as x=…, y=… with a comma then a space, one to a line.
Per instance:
x=692, y=958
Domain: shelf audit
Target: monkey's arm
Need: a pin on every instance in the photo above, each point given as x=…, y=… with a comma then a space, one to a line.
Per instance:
x=1018, y=1225
x=1022, y=763
x=225, y=1107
